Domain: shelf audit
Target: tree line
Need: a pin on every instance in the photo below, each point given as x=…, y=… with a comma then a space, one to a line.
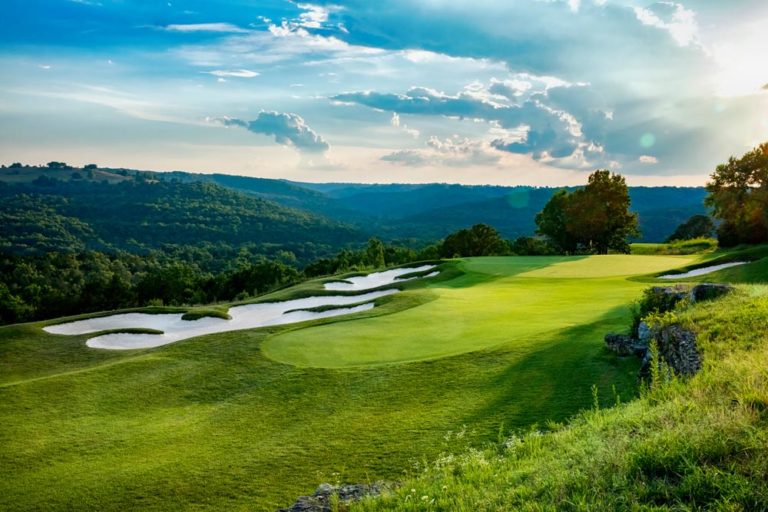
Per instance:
x=61, y=284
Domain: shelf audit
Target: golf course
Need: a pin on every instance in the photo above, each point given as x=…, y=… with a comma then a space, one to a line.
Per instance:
x=250, y=419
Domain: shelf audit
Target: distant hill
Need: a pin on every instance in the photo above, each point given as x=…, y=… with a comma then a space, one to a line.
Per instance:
x=141, y=214
x=434, y=210
x=417, y=214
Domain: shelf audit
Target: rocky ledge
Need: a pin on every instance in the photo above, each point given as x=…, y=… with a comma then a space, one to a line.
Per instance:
x=676, y=345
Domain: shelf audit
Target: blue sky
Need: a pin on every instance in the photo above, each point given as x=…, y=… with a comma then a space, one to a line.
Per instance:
x=484, y=91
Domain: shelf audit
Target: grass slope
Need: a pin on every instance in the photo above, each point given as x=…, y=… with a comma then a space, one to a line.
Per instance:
x=695, y=445
x=211, y=423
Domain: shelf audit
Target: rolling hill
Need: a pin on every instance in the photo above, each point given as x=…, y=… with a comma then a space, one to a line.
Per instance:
x=414, y=214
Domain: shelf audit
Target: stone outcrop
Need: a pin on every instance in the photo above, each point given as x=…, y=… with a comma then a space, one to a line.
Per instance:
x=676, y=345
x=624, y=345
x=709, y=291
x=321, y=500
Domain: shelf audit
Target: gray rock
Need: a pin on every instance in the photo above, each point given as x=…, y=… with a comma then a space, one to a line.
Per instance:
x=644, y=333
x=621, y=344
x=678, y=347
x=320, y=501
x=709, y=291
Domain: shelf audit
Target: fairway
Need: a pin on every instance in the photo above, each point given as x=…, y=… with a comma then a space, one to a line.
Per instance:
x=212, y=423
x=522, y=302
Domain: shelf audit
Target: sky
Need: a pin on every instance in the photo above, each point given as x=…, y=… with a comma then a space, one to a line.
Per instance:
x=535, y=92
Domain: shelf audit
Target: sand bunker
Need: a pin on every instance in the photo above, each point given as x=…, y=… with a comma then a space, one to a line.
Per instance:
x=704, y=270
x=378, y=279
x=243, y=317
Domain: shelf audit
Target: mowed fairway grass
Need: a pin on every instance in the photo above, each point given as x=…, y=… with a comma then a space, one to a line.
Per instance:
x=249, y=420
x=521, y=303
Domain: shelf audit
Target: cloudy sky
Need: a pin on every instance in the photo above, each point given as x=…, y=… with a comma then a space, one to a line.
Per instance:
x=482, y=91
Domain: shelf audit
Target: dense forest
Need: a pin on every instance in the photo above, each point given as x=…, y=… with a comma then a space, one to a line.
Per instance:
x=140, y=215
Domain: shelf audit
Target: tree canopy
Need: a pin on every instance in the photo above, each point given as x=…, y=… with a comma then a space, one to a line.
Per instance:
x=698, y=226
x=738, y=195
x=479, y=240
x=593, y=219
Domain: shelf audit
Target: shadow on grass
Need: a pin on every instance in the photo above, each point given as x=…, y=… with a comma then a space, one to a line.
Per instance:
x=555, y=382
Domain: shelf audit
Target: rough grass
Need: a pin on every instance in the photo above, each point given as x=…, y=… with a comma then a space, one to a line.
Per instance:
x=204, y=312
x=680, y=247
x=210, y=423
x=696, y=445
x=756, y=271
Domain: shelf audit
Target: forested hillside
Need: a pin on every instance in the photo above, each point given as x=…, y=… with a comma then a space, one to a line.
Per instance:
x=139, y=215
x=413, y=214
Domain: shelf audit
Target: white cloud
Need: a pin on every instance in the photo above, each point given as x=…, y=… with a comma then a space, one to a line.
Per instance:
x=206, y=27
x=672, y=17
x=288, y=129
x=395, y=121
x=235, y=73
x=314, y=17
x=648, y=160
x=452, y=151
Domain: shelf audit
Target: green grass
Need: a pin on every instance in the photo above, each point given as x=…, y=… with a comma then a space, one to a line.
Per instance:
x=695, y=445
x=204, y=312
x=212, y=423
x=684, y=247
x=524, y=302
x=756, y=271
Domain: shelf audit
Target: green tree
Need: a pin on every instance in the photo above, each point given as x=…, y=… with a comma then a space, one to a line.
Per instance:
x=479, y=240
x=738, y=195
x=698, y=226
x=374, y=253
x=594, y=219
x=552, y=222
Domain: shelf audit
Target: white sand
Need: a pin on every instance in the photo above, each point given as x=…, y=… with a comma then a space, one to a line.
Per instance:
x=243, y=317
x=378, y=279
x=704, y=270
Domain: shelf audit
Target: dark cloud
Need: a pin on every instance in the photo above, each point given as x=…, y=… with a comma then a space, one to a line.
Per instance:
x=287, y=129
x=551, y=133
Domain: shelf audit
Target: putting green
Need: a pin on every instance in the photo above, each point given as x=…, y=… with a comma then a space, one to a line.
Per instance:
x=519, y=302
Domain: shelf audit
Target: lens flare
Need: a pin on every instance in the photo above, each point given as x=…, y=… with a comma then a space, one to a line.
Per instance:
x=648, y=140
